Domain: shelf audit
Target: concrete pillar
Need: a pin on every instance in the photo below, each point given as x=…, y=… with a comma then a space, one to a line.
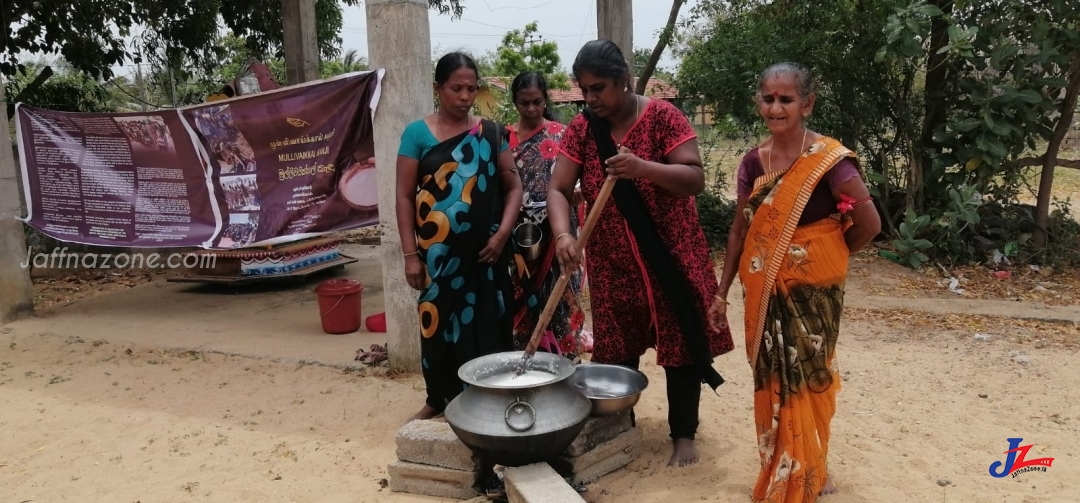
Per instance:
x=615, y=22
x=16, y=289
x=301, y=43
x=399, y=41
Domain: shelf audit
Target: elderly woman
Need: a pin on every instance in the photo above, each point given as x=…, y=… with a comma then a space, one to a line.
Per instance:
x=801, y=212
x=651, y=279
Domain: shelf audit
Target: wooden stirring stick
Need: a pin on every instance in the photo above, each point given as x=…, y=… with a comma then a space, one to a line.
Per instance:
x=564, y=278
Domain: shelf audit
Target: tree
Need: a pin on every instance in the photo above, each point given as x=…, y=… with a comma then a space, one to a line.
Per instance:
x=90, y=33
x=641, y=59
x=661, y=44
x=1001, y=76
x=943, y=99
x=352, y=61
x=66, y=90
x=525, y=51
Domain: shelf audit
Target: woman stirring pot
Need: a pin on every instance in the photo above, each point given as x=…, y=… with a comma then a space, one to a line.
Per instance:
x=651, y=278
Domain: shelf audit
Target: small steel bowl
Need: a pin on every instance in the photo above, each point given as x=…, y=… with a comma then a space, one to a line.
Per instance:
x=611, y=388
x=527, y=239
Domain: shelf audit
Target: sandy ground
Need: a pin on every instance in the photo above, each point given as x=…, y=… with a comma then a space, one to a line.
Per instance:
x=161, y=392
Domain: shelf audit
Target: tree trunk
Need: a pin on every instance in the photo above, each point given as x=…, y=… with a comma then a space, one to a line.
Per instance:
x=661, y=45
x=935, y=111
x=1046, y=179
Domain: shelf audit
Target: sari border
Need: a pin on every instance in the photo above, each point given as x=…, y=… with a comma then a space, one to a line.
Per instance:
x=766, y=178
x=828, y=160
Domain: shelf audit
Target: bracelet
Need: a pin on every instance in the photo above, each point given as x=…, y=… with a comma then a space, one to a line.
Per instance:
x=721, y=299
x=560, y=236
x=412, y=253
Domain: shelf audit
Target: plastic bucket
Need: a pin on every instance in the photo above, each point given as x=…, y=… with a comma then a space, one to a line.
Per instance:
x=339, y=305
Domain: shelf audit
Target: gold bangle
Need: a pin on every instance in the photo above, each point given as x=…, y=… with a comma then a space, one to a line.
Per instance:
x=721, y=299
x=412, y=253
x=560, y=236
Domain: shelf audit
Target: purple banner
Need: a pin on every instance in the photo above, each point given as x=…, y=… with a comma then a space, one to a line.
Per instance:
x=255, y=170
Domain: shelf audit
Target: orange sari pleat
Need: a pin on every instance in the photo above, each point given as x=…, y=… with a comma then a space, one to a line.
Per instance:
x=794, y=279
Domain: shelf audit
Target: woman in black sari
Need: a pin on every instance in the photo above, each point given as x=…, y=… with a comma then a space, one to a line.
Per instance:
x=458, y=197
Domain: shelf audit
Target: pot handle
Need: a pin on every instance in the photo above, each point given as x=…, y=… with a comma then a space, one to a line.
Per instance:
x=520, y=415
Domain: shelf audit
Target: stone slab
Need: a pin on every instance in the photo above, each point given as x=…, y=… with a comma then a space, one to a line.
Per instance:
x=606, y=457
x=597, y=431
x=415, y=478
x=434, y=443
x=538, y=483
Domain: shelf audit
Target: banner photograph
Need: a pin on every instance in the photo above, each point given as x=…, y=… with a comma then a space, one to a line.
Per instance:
x=255, y=170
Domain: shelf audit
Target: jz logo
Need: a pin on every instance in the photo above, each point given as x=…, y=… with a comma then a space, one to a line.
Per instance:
x=1015, y=462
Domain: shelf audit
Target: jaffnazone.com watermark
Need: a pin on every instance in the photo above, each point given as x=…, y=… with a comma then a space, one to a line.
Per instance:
x=60, y=258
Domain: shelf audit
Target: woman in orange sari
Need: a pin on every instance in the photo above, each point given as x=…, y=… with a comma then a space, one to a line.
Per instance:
x=801, y=212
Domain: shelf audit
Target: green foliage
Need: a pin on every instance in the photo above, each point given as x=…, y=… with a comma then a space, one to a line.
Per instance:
x=182, y=34
x=65, y=91
x=641, y=59
x=970, y=229
x=952, y=235
x=521, y=52
x=936, y=96
x=1004, y=65
x=715, y=212
x=1064, y=239
x=352, y=61
x=910, y=245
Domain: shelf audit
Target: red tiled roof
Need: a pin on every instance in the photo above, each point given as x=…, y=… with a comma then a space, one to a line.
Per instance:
x=656, y=88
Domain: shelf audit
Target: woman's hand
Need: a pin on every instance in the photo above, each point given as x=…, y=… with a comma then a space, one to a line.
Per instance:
x=625, y=165
x=493, y=248
x=578, y=197
x=414, y=272
x=567, y=253
x=718, y=314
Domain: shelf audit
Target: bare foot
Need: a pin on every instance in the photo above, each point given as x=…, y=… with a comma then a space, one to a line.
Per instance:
x=427, y=412
x=828, y=489
x=684, y=454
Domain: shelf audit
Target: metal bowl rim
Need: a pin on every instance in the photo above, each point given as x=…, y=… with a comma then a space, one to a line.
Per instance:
x=575, y=378
x=561, y=364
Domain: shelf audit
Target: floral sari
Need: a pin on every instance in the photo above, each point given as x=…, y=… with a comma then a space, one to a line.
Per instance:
x=794, y=280
x=534, y=280
x=465, y=310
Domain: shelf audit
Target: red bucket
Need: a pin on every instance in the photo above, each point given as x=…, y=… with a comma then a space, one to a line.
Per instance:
x=339, y=305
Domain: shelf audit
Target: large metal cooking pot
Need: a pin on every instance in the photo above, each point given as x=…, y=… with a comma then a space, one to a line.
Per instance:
x=517, y=421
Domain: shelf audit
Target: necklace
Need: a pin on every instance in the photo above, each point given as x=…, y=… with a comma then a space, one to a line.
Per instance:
x=442, y=130
x=637, y=111
x=521, y=128
x=768, y=166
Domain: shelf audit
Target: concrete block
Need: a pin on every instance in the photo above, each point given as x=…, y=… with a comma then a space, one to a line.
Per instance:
x=538, y=483
x=434, y=443
x=606, y=457
x=435, y=481
x=597, y=431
